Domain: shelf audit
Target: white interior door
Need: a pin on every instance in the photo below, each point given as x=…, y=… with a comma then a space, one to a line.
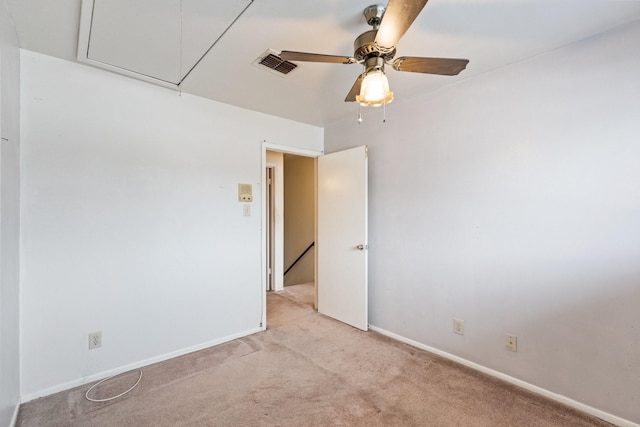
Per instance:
x=342, y=236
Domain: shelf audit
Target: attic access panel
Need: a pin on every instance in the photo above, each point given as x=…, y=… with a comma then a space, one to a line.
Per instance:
x=155, y=40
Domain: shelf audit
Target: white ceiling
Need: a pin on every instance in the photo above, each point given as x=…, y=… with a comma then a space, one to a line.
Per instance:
x=490, y=33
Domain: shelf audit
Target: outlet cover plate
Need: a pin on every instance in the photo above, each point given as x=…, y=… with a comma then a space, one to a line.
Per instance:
x=458, y=326
x=511, y=342
x=95, y=340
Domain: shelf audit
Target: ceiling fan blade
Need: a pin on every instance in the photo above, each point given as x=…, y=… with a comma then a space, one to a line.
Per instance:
x=442, y=66
x=396, y=20
x=315, y=57
x=355, y=90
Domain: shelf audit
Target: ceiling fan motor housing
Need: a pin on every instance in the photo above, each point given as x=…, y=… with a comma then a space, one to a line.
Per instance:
x=364, y=46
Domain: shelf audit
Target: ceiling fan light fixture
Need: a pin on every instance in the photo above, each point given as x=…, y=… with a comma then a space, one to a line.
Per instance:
x=377, y=47
x=374, y=91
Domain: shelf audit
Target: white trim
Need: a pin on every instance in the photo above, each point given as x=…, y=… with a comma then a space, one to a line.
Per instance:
x=277, y=197
x=14, y=418
x=264, y=146
x=135, y=365
x=263, y=236
x=290, y=150
x=84, y=34
x=504, y=377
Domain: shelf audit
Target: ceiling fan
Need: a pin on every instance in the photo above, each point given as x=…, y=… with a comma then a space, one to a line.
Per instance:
x=377, y=47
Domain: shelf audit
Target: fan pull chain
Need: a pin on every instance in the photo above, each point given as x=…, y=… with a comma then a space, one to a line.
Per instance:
x=384, y=113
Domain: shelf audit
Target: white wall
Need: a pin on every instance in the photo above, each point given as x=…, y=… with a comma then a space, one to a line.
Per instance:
x=9, y=217
x=131, y=223
x=512, y=201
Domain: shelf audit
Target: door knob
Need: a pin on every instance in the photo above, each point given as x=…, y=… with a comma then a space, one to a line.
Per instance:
x=362, y=247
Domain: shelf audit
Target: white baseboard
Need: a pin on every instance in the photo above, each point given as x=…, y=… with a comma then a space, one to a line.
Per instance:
x=14, y=418
x=533, y=388
x=136, y=365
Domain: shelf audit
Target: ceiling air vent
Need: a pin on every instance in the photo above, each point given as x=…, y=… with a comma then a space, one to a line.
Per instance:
x=272, y=61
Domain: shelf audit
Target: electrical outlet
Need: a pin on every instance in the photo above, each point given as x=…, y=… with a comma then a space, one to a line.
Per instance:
x=458, y=326
x=95, y=340
x=511, y=342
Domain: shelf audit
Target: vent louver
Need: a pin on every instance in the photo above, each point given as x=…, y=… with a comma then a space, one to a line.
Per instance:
x=278, y=64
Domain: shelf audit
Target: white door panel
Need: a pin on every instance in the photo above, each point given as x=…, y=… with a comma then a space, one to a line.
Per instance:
x=342, y=236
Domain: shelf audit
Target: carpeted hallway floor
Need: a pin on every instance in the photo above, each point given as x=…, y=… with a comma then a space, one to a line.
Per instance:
x=305, y=370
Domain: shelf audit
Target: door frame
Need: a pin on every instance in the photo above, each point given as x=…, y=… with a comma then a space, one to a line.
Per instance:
x=263, y=212
x=270, y=224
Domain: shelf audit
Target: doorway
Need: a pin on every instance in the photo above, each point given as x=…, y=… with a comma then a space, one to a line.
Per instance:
x=299, y=220
x=290, y=221
x=289, y=238
x=271, y=226
x=340, y=284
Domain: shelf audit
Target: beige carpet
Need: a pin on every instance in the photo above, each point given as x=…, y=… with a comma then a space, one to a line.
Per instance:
x=304, y=293
x=305, y=370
